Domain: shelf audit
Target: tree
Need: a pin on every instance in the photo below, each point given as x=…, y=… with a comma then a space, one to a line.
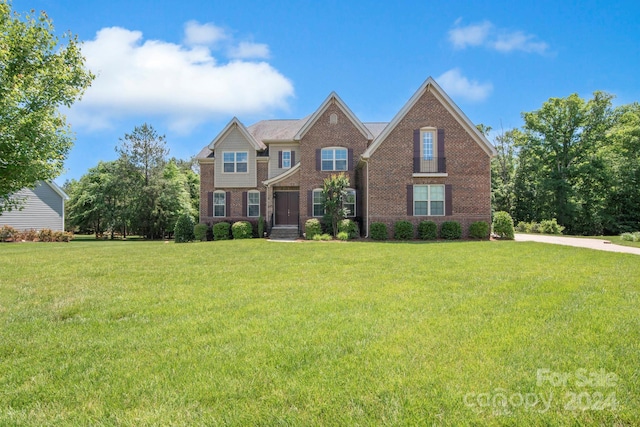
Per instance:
x=38, y=75
x=503, y=171
x=334, y=192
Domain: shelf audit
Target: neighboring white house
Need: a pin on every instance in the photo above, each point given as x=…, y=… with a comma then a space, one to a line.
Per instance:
x=42, y=207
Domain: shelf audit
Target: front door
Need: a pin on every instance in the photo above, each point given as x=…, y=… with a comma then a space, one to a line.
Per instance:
x=287, y=207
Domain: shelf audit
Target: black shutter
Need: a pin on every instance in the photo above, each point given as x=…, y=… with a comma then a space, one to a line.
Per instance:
x=442, y=165
x=279, y=159
x=309, y=203
x=416, y=150
x=244, y=203
x=350, y=159
x=318, y=159
x=293, y=158
x=227, y=198
x=263, y=204
x=210, y=203
x=448, y=200
x=409, y=200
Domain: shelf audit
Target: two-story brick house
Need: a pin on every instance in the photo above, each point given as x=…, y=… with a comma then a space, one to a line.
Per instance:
x=428, y=162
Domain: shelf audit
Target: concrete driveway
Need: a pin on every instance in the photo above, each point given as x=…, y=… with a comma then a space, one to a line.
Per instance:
x=601, y=245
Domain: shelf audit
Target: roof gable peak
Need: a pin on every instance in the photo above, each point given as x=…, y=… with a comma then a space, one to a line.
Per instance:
x=234, y=123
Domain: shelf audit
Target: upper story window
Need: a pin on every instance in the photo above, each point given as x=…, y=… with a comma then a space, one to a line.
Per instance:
x=219, y=203
x=334, y=159
x=428, y=200
x=286, y=159
x=427, y=144
x=235, y=162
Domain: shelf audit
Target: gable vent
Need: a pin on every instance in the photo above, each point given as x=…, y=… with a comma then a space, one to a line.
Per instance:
x=333, y=119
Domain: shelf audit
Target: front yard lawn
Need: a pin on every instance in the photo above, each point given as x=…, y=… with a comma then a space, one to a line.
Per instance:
x=262, y=333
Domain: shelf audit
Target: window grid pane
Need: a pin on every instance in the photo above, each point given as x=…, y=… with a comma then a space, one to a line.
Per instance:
x=427, y=146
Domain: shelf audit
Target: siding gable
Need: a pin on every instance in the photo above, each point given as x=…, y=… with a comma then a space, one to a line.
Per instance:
x=235, y=141
x=43, y=207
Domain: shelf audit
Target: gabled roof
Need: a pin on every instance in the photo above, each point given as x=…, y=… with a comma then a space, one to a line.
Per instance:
x=282, y=176
x=236, y=124
x=276, y=130
x=333, y=98
x=57, y=189
x=431, y=85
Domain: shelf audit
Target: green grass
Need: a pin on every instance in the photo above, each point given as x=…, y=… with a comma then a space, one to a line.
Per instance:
x=261, y=333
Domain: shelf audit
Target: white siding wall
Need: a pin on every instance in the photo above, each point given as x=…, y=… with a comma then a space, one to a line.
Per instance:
x=43, y=208
x=274, y=170
x=234, y=141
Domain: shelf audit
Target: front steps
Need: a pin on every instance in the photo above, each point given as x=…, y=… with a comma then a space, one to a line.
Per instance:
x=284, y=233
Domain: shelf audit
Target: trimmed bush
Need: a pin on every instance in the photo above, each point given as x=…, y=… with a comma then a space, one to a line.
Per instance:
x=200, y=232
x=325, y=236
x=7, y=232
x=522, y=227
x=403, y=230
x=183, y=231
x=45, y=235
x=451, y=230
x=428, y=230
x=479, y=230
x=350, y=227
x=261, y=225
x=503, y=225
x=312, y=228
x=221, y=231
x=242, y=230
x=551, y=226
x=378, y=231
x=343, y=235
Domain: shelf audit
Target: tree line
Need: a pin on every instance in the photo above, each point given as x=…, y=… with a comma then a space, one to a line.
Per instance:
x=574, y=160
x=143, y=192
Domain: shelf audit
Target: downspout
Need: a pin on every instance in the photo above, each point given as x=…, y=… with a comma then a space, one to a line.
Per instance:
x=366, y=162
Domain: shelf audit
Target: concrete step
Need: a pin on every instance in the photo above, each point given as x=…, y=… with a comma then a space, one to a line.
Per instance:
x=284, y=233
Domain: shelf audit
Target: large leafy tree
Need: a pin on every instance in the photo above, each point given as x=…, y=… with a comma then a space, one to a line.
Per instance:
x=38, y=75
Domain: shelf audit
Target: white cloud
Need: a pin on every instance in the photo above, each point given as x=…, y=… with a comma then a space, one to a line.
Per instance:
x=202, y=34
x=487, y=35
x=184, y=85
x=458, y=86
x=246, y=50
x=471, y=35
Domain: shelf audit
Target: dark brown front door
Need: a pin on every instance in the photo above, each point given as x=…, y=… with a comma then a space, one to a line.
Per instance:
x=287, y=208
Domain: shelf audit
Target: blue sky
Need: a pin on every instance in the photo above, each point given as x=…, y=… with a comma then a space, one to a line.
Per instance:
x=188, y=67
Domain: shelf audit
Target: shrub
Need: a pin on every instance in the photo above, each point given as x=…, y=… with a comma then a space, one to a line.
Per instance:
x=551, y=226
x=312, y=228
x=200, y=232
x=242, y=230
x=325, y=236
x=8, y=233
x=378, y=231
x=183, y=231
x=631, y=237
x=451, y=230
x=343, y=235
x=221, y=231
x=350, y=227
x=45, y=235
x=403, y=230
x=522, y=227
x=479, y=230
x=503, y=225
x=260, y=227
x=428, y=230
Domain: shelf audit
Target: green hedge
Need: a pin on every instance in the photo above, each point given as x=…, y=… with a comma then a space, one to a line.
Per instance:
x=403, y=230
x=183, y=231
x=242, y=230
x=378, y=231
x=221, y=231
x=428, y=230
x=200, y=232
x=312, y=228
x=503, y=225
x=479, y=230
x=451, y=230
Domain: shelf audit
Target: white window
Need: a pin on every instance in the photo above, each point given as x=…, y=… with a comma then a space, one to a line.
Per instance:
x=318, y=206
x=219, y=203
x=334, y=159
x=253, y=203
x=349, y=203
x=235, y=162
x=286, y=159
x=427, y=145
x=428, y=200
